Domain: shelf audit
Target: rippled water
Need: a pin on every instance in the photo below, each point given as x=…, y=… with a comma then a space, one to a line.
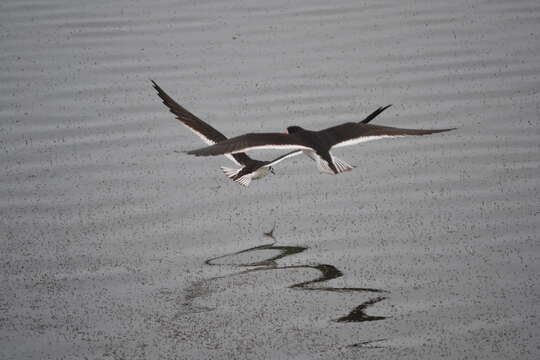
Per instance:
x=107, y=225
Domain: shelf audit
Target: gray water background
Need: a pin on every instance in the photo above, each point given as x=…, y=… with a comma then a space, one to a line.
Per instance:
x=106, y=224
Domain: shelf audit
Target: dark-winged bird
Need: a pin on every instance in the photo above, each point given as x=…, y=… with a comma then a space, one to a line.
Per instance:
x=315, y=144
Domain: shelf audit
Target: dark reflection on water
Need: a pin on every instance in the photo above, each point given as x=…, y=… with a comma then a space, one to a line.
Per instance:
x=358, y=313
x=270, y=262
x=327, y=272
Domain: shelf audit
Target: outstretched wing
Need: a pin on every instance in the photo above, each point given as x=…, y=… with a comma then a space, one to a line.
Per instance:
x=355, y=133
x=203, y=130
x=252, y=141
x=206, y=132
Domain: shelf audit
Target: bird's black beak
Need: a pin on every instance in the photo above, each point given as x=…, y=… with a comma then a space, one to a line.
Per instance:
x=272, y=171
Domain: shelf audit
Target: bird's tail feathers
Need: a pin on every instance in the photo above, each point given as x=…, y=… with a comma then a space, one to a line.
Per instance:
x=341, y=165
x=243, y=180
x=323, y=165
x=232, y=174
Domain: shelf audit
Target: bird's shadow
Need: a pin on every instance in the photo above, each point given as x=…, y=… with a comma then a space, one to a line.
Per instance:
x=327, y=272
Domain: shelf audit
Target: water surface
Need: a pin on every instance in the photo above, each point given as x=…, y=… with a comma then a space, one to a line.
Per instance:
x=107, y=224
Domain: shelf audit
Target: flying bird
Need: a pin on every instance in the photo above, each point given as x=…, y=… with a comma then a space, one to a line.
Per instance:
x=315, y=144
x=250, y=168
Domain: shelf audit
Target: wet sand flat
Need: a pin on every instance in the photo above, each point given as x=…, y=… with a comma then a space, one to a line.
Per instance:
x=118, y=245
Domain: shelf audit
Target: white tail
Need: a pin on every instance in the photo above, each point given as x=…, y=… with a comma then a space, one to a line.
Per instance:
x=341, y=165
x=323, y=165
x=230, y=172
x=244, y=180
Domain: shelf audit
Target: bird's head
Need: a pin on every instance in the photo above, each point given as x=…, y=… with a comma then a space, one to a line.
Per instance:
x=293, y=129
